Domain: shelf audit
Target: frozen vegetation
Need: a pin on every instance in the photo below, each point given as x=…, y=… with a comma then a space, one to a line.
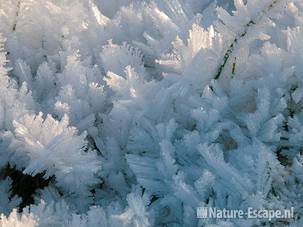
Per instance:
x=133, y=113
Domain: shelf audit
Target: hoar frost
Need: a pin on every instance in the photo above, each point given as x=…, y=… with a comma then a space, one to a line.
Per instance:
x=136, y=113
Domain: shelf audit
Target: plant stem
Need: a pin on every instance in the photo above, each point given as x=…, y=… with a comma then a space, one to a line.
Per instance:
x=229, y=51
x=17, y=15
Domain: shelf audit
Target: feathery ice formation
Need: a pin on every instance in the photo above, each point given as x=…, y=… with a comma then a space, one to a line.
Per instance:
x=134, y=113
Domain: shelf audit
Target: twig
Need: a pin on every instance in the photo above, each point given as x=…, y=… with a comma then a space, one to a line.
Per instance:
x=229, y=51
x=17, y=15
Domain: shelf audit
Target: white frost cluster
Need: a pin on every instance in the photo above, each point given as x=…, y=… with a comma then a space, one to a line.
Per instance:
x=136, y=112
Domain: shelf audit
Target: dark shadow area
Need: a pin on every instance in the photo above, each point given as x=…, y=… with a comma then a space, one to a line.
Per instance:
x=24, y=185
